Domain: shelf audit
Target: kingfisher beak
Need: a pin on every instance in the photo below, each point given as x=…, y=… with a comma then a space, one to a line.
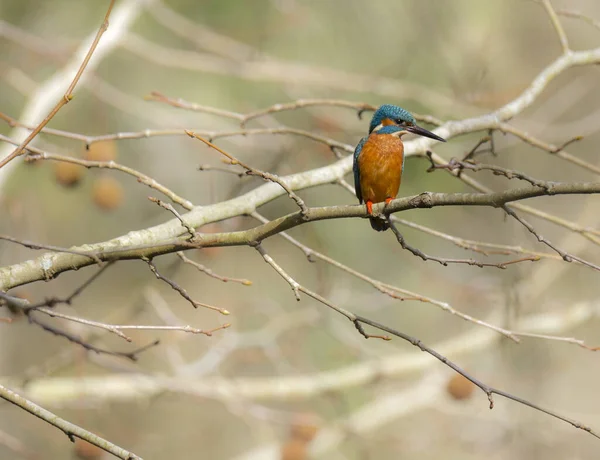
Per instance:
x=423, y=132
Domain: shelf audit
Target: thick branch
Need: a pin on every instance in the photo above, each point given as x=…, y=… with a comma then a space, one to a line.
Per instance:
x=152, y=242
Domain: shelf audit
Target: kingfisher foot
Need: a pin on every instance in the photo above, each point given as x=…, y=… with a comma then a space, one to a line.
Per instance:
x=369, y=204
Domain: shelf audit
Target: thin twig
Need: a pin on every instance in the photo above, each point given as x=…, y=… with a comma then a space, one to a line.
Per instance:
x=181, y=104
x=488, y=390
x=565, y=256
x=301, y=103
x=68, y=96
x=210, y=135
x=182, y=291
x=118, y=328
x=557, y=150
x=169, y=207
x=358, y=320
x=141, y=178
x=211, y=273
x=47, y=247
x=256, y=172
x=131, y=355
x=387, y=289
x=445, y=261
x=297, y=287
x=69, y=299
x=456, y=165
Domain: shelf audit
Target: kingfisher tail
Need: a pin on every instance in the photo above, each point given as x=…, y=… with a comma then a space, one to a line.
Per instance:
x=379, y=224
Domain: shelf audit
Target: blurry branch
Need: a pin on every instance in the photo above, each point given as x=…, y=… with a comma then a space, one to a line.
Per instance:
x=560, y=31
x=181, y=104
x=65, y=390
x=577, y=15
x=286, y=72
x=226, y=56
x=201, y=36
x=71, y=430
x=67, y=96
x=376, y=414
x=303, y=103
x=30, y=41
x=210, y=135
x=360, y=108
x=17, y=446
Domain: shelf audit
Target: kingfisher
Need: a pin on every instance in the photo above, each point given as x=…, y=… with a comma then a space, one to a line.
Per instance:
x=379, y=158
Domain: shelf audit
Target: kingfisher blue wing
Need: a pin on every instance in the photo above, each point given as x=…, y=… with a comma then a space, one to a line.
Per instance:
x=356, y=169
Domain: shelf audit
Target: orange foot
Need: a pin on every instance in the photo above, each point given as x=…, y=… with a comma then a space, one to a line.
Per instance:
x=388, y=200
x=369, y=207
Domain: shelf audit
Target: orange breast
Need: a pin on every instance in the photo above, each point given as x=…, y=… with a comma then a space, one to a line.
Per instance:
x=380, y=164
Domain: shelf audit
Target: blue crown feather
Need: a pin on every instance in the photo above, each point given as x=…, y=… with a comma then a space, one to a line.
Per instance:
x=393, y=112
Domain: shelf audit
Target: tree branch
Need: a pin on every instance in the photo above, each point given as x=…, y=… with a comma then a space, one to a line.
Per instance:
x=68, y=428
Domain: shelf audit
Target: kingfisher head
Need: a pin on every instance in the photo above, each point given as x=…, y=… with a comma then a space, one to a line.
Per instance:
x=390, y=116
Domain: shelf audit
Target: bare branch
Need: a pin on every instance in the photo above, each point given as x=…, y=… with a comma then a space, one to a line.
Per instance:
x=118, y=328
x=245, y=205
x=182, y=291
x=48, y=247
x=256, y=172
x=38, y=154
x=488, y=390
x=212, y=274
x=557, y=150
x=297, y=287
x=169, y=207
x=131, y=355
x=565, y=256
x=68, y=94
x=391, y=291
x=445, y=261
x=68, y=428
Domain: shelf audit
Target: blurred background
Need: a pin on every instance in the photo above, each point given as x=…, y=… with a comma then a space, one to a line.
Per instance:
x=292, y=379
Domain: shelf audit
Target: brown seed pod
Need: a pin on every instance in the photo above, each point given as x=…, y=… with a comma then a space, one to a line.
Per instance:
x=304, y=430
x=101, y=151
x=68, y=174
x=87, y=451
x=107, y=193
x=293, y=449
x=459, y=387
